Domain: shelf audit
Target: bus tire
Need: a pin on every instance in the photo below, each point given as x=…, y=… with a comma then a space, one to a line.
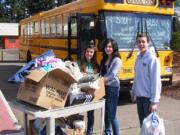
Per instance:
x=169, y=83
x=28, y=56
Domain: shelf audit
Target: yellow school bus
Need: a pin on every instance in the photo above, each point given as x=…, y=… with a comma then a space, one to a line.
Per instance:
x=68, y=29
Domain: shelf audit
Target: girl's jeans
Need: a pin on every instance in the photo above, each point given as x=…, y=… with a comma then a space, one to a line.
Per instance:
x=143, y=104
x=112, y=96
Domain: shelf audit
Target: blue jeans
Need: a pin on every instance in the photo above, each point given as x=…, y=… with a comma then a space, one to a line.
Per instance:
x=112, y=96
x=143, y=104
x=90, y=122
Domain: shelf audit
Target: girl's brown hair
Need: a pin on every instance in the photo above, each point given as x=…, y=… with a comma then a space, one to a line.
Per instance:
x=93, y=60
x=115, y=50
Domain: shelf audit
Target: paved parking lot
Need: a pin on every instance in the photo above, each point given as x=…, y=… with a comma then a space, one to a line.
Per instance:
x=169, y=109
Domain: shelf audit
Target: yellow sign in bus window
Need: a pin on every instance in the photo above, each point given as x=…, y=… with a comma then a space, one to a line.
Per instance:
x=142, y=2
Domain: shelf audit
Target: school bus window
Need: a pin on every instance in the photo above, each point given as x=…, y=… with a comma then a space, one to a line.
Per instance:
x=26, y=30
x=74, y=27
x=36, y=27
x=43, y=27
x=30, y=29
x=23, y=33
x=114, y=1
x=22, y=30
x=53, y=26
x=59, y=25
x=47, y=28
x=65, y=24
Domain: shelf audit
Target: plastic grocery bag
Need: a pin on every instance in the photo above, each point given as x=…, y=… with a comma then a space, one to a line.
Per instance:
x=153, y=125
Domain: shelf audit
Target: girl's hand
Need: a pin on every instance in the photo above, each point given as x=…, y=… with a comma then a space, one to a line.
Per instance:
x=105, y=79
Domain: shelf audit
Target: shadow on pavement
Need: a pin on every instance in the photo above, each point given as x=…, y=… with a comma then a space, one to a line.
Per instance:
x=124, y=98
x=8, y=89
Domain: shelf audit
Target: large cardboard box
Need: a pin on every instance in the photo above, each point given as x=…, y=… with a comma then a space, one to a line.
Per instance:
x=50, y=89
x=46, y=89
x=100, y=92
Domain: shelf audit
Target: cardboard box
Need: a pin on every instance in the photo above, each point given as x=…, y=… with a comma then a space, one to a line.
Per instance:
x=96, y=93
x=74, y=132
x=46, y=89
x=50, y=89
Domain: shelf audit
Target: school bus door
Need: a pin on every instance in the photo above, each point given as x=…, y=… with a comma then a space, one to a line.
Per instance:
x=85, y=32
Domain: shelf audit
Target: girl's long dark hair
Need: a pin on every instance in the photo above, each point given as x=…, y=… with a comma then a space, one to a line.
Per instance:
x=93, y=60
x=115, y=50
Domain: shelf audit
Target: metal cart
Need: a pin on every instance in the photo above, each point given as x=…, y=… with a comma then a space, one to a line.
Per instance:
x=52, y=114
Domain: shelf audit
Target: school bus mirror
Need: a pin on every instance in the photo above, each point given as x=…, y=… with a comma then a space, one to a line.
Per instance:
x=175, y=24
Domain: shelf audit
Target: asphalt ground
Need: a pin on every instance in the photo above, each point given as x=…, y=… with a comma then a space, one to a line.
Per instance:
x=168, y=108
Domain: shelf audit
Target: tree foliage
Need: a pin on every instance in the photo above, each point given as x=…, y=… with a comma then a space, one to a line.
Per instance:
x=15, y=10
x=177, y=3
x=35, y=6
x=2, y=12
x=175, y=43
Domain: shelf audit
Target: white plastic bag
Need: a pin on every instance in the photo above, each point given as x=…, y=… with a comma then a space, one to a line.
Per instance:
x=153, y=125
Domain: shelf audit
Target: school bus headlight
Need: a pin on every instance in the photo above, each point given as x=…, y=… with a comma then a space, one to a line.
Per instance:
x=168, y=70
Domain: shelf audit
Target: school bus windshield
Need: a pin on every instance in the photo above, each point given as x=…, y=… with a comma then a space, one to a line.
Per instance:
x=123, y=27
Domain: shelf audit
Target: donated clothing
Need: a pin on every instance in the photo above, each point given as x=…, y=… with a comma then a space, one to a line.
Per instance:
x=18, y=77
x=112, y=72
x=147, y=81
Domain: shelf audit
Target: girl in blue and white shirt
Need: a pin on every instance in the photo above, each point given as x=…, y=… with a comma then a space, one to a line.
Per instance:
x=110, y=68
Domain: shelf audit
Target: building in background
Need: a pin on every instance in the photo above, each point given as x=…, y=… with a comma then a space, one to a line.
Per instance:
x=9, y=35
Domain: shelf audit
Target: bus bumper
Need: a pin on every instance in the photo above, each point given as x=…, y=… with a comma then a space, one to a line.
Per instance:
x=166, y=81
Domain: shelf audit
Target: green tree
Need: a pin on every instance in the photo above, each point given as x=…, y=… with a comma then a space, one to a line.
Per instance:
x=2, y=11
x=15, y=10
x=35, y=6
x=177, y=3
x=62, y=2
x=175, y=45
